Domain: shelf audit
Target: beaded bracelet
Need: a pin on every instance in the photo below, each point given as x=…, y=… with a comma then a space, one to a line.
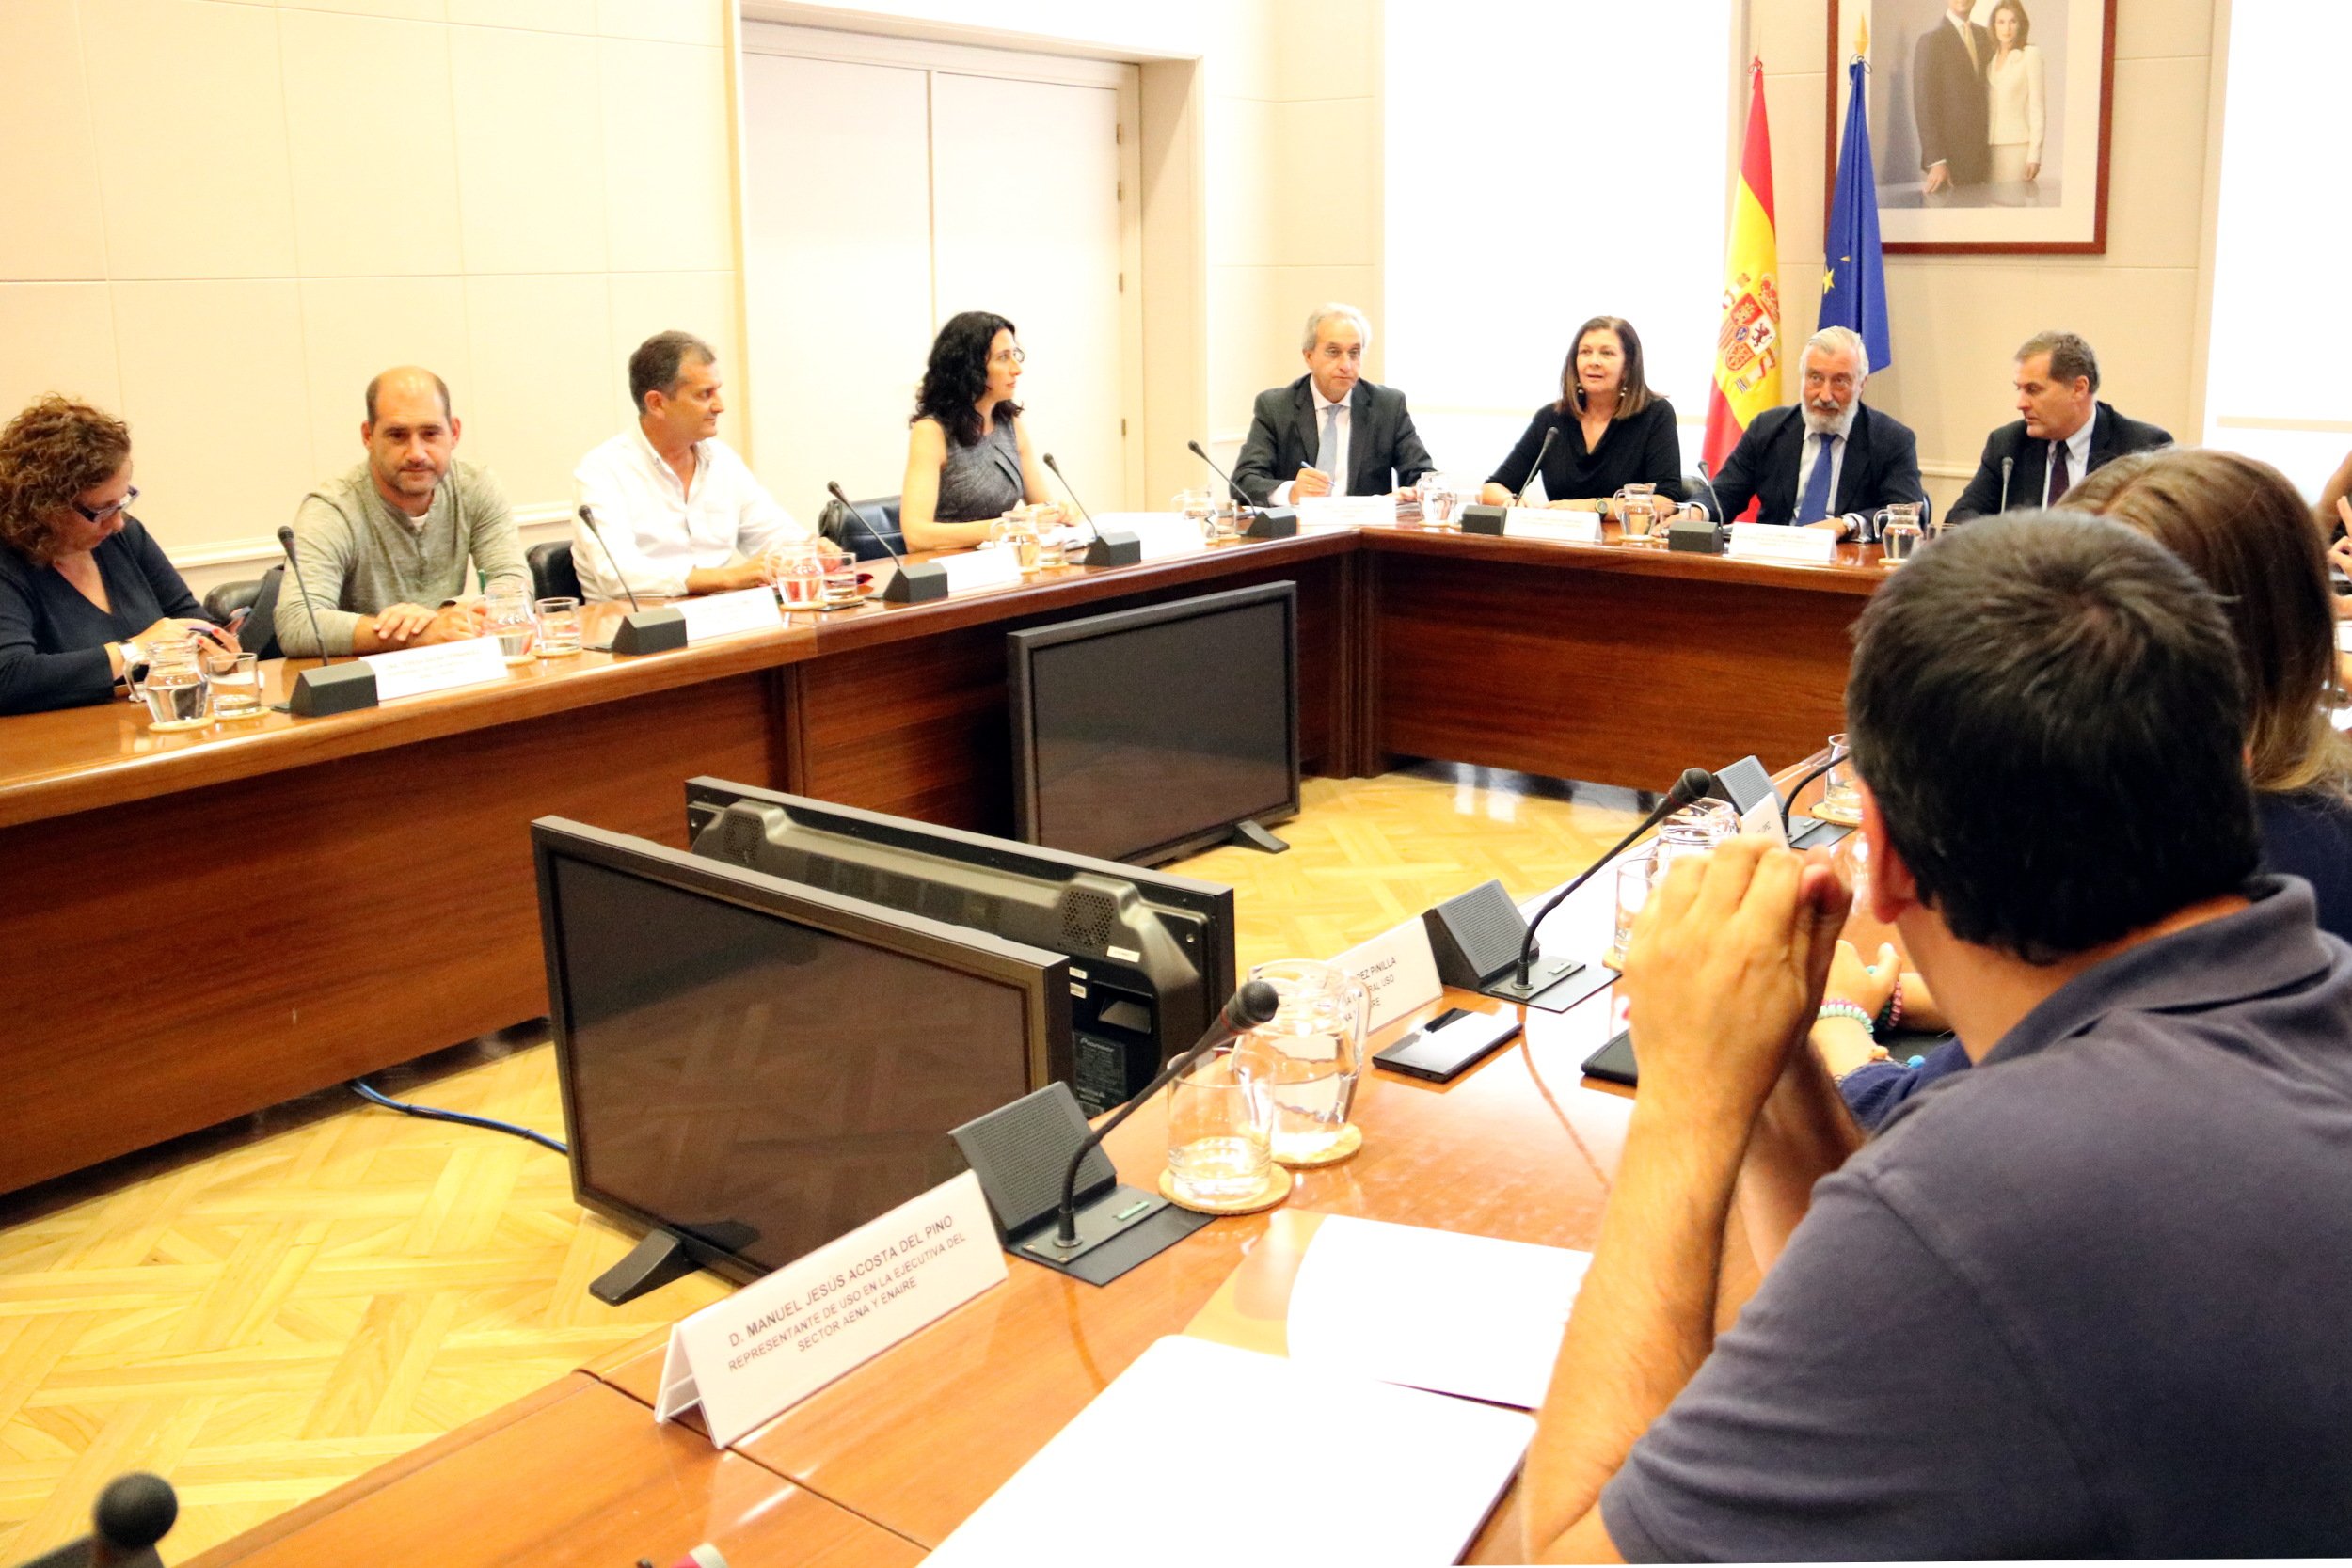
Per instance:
x=1838, y=1007
x=1891, y=1016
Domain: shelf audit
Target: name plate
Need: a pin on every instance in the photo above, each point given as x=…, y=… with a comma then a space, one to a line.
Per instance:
x=1331, y=514
x=724, y=614
x=1561, y=528
x=753, y=1356
x=1162, y=534
x=977, y=569
x=416, y=672
x=1398, y=969
x=1813, y=546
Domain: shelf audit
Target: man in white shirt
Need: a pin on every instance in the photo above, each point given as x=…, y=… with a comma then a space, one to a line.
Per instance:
x=1330, y=433
x=680, y=513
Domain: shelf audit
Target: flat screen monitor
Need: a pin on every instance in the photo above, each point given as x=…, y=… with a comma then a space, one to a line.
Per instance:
x=758, y=1067
x=1146, y=733
x=1150, y=953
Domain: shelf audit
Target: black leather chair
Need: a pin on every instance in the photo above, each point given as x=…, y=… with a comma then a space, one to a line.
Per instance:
x=259, y=597
x=553, y=573
x=879, y=514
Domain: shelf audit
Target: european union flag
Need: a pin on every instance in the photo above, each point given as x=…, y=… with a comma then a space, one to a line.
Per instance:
x=1854, y=291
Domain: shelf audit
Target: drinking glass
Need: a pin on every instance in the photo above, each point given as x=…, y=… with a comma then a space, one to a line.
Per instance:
x=507, y=616
x=1899, y=541
x=1220, y=1131
x=1694, y=830
x=1053, y=549
x=235, y=679
x=1841, y=794
x=1636, y=515
x=558, y=627
x=1200, y=509
x=1310, y=1054
x=797, y=571
x=1635, y=875
x=841, y=584
x=1224, y=519
x=177, y=697
x=1439, y=502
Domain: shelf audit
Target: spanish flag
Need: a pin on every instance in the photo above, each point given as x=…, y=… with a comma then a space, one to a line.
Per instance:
x=1747, y=348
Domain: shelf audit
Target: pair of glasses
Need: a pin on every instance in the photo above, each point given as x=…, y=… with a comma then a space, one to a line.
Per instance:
x=99, y=514
x=1011, y=357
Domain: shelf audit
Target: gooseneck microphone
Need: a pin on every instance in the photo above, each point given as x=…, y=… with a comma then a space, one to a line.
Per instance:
x=1709, y=480
x=1239, y=493
x=2006, y=464
x=1072, y=488
x=1694, y=785
x=916, y=583
x=833, y=488
x=285, y=542
x=1537, y=466
x=590, y=518
x=1249, y=1007
x=1265, y=522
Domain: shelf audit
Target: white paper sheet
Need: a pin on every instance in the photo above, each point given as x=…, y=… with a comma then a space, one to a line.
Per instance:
x=1159, y=1469
x=1492, y=1330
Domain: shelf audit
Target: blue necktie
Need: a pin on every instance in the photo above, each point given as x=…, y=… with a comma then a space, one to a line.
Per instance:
x=1815, y=504
x=1327, y=456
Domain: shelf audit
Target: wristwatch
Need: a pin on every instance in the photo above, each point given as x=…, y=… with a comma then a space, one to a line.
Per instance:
x=136, y=660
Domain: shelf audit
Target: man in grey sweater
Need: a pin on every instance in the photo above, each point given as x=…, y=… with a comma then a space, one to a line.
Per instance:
x=382, y=547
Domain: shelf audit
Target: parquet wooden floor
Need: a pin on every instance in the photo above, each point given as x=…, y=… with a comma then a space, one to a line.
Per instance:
x=263, y=1312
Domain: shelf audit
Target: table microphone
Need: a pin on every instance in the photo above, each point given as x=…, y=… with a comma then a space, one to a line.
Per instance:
x=2006, y=464
x=1707, y=481
x=914, y=585
x=1788, y=801
x=1272, y=522
x=285, y=542
x=1541, y=453
x=590, y=518
x=1072, y=489
x=331, y=687
x=1696, y=784
x=1254, y=1004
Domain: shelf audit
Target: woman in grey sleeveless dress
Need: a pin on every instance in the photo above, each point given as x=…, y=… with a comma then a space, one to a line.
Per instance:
x=968, y=457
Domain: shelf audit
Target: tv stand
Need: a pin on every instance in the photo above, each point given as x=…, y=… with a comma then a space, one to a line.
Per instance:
x=1250, y=836
x=655, y=1261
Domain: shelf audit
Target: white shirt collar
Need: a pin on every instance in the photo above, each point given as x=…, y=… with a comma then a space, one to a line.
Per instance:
x=1323, y=402
x=659, y=465
x=1961, y=23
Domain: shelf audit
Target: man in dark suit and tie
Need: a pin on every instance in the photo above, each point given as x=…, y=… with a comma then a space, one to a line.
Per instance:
x=1330, y=433
x=1826, y=462
x=2066, y=433
x=1948, y=101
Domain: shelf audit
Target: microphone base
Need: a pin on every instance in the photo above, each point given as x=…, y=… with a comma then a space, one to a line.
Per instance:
x=1696, y=537
x=916, y=582
x=1116, y=1231
x=1553, y=985
x=1114, y=548
x=1272, y=522
x=332, y=688
x=650, y=631
x=1482, y=519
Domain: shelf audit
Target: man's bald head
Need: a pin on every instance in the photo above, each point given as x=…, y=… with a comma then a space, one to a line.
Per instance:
x=414, y=380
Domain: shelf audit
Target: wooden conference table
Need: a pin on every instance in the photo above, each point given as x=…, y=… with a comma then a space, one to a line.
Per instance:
x=200, y=926
x=910, y=1444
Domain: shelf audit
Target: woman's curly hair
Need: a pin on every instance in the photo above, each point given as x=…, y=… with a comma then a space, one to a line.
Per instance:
x=49, y=454
x=958, y=375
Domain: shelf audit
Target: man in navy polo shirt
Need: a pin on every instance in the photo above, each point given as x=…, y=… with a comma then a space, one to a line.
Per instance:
x=2092, y=1299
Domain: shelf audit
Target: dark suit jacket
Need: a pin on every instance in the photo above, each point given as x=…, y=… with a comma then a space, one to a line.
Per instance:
x=1880, y=468
x=2111, y=436
x=1948, y=102
x=1284, y=438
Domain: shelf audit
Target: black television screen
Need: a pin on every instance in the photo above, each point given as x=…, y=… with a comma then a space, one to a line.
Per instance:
x=1147, y=733
x=760, y=1068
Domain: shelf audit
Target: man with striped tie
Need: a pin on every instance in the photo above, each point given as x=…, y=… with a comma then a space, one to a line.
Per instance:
x=1330, y=433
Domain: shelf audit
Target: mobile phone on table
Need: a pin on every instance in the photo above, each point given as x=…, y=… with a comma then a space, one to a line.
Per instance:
x=1449, y=1044
x=1614, y=1062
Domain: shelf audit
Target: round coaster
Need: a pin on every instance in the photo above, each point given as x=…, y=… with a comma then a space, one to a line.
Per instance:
x=1276, y=1188
x=1351, y=1139
x=1827, y=812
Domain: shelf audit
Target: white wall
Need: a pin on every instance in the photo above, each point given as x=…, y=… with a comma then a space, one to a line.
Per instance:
x=228, y=216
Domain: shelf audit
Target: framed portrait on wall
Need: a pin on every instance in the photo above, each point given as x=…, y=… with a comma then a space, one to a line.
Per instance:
x=1989, y=120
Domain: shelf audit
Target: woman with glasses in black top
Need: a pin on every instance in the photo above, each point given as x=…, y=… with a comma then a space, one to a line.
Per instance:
x=84, y=593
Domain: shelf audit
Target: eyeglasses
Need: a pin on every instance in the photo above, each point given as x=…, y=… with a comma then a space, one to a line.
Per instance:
x=1011, y=357
x=100, y=515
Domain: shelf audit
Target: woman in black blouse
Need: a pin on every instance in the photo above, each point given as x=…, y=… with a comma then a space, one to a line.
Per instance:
x=84, y=592
x=1614, y=431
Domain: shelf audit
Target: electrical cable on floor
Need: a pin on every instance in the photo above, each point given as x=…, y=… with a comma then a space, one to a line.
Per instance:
x=433, y=1113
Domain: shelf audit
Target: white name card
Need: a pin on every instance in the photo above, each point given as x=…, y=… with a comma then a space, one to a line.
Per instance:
x=1814, y=547
x=724, y=614
x=1329, y=513
x=753, y=1356
x=1398, y=969
x=1561, y=527
x=977, y=569
x=415, y=672
x=1161, y=534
